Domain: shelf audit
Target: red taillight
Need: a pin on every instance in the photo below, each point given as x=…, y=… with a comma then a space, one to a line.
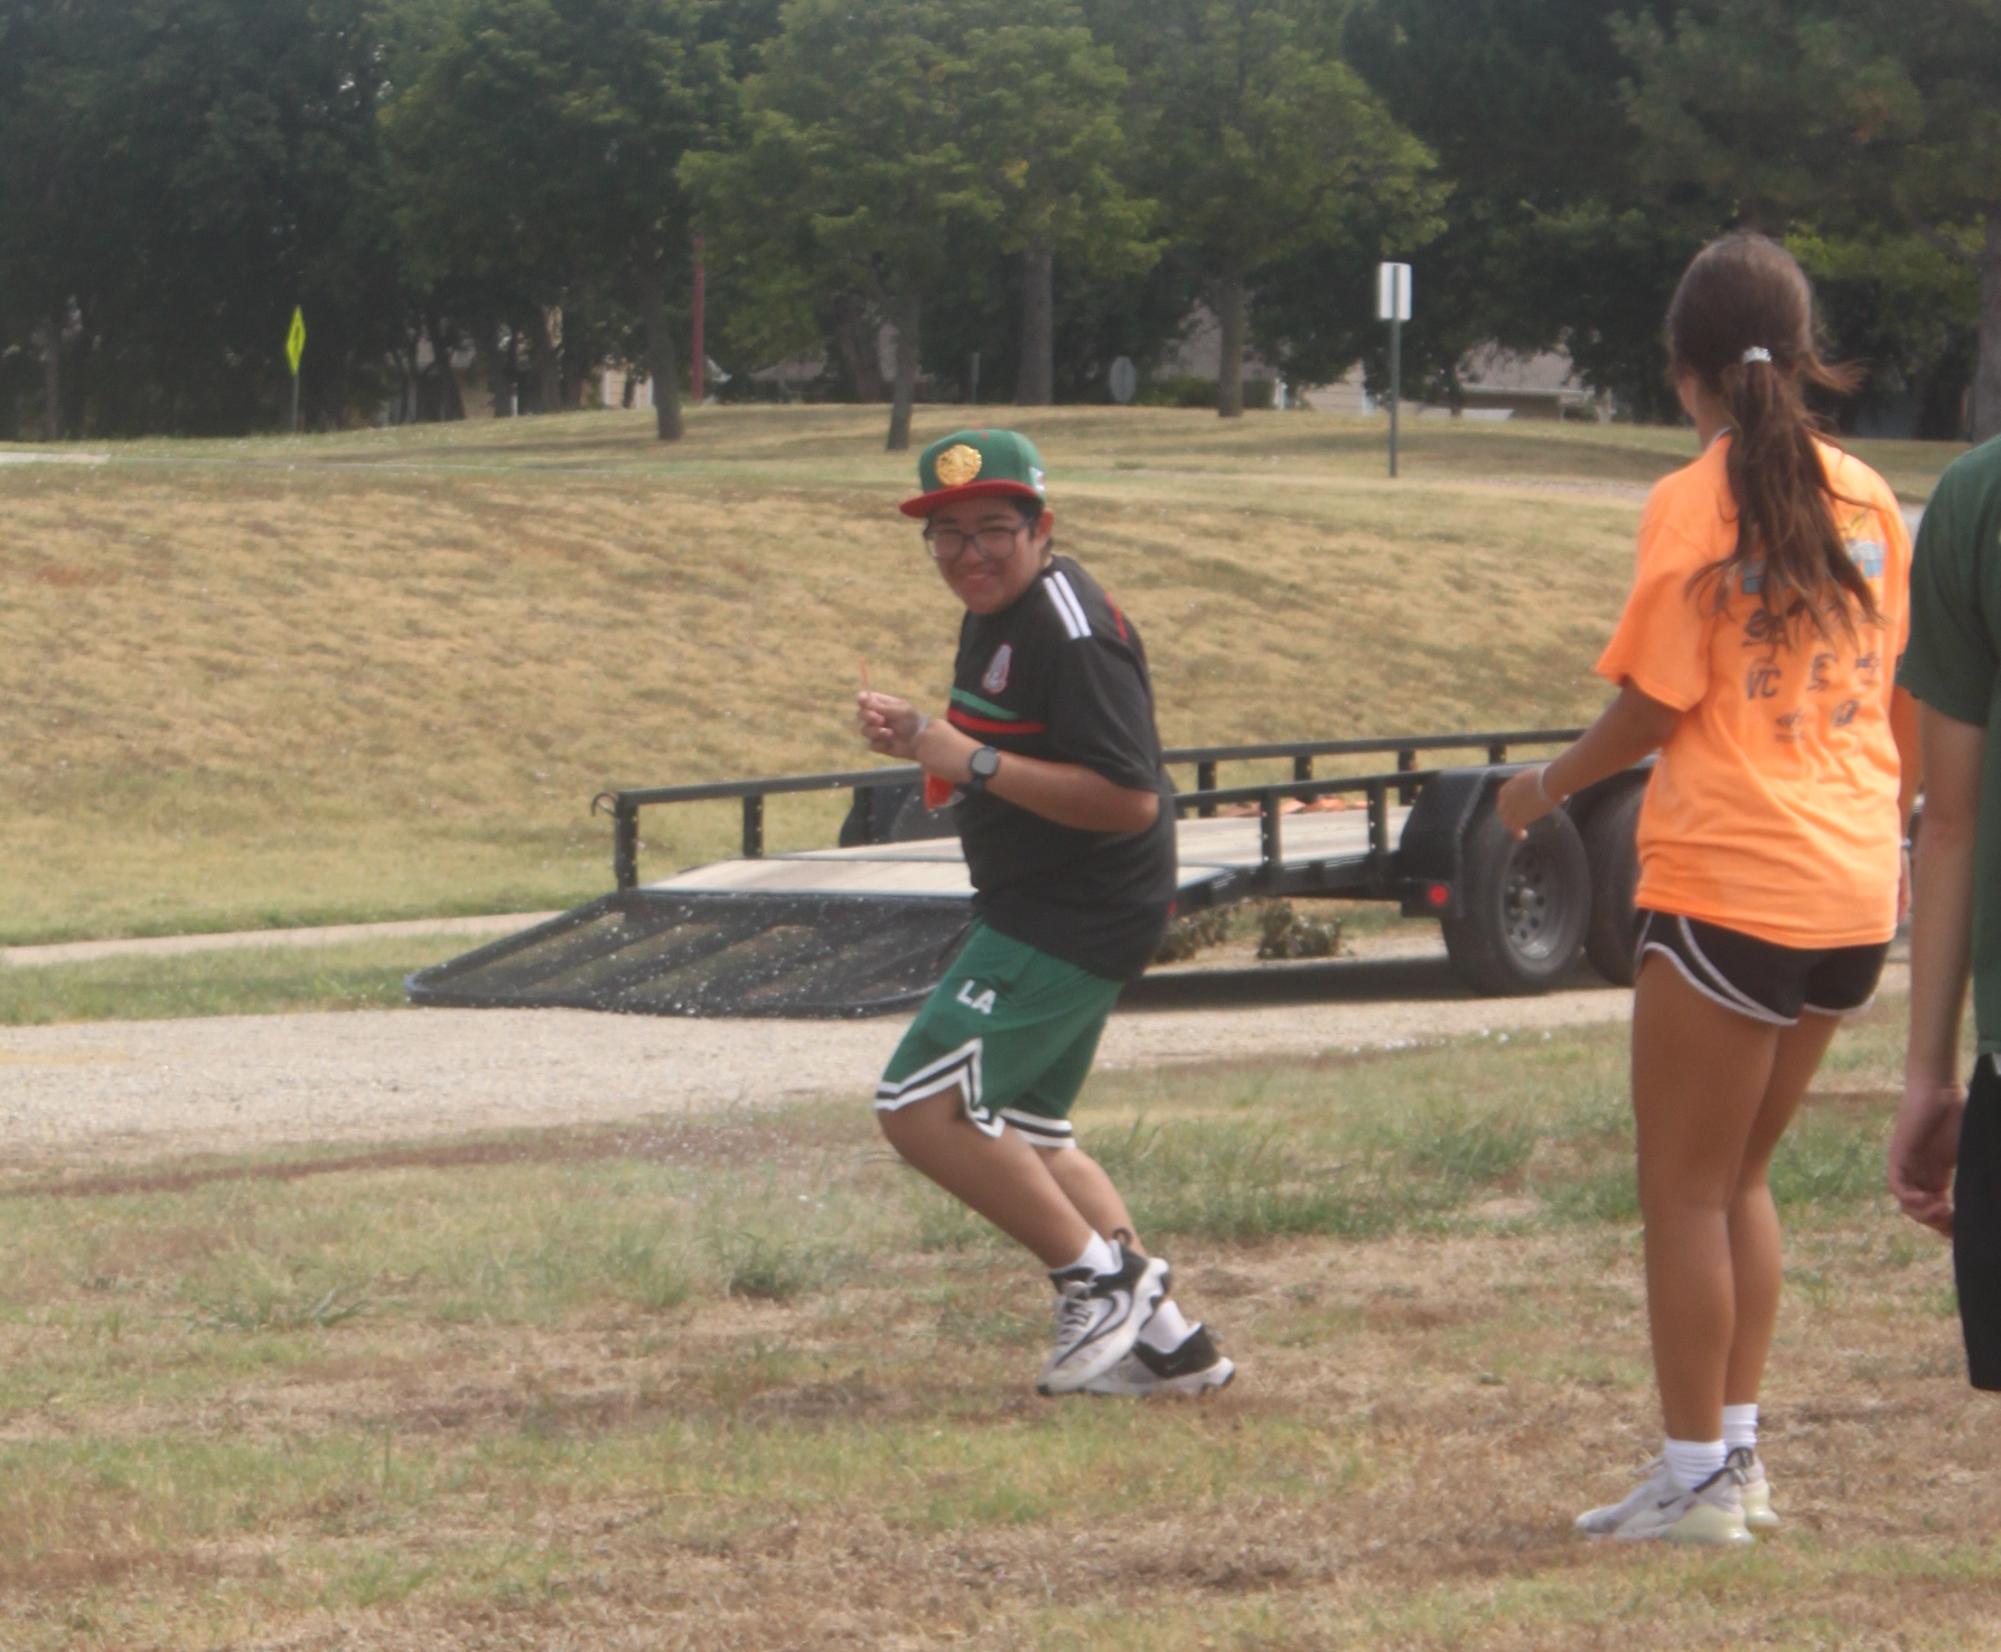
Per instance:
x=1439, y=894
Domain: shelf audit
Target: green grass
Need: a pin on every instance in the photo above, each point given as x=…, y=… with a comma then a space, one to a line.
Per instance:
x=343, y=975
x=747, y=1382
x=381, y=674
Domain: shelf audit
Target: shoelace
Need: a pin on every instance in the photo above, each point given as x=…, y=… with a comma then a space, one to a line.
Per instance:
x=1073, y=1310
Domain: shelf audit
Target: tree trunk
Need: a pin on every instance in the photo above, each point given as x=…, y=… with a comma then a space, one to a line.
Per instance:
x=52, y=378
x=1987, y=371
x=1230, y=327
x=857, y=341
x=1035, y=382
x=491, y=343
x=660, y=358
x=546, y=357
x=908, y=311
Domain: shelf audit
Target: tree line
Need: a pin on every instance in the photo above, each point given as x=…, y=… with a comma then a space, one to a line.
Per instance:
x=1038, y=189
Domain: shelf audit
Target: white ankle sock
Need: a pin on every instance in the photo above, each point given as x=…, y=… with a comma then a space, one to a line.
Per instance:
x=1690, y=1462
x=1740, y=1427
x=1098, y=1256
x=1166, y=1330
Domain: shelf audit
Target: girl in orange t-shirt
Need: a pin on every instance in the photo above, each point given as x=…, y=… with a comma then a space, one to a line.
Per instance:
x=1756, y=653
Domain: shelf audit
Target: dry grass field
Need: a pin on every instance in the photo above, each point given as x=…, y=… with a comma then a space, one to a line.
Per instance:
x=381, y=674
x=738, y=1381
x=729, y=1380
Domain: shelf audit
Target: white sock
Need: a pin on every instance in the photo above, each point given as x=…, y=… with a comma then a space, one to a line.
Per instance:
x=1690, y=1462
x=1166, y=1330
x=1098, y=1256
x=1740, y=1427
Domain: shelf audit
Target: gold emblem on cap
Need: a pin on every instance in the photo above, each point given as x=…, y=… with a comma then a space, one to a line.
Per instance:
x=958, y=465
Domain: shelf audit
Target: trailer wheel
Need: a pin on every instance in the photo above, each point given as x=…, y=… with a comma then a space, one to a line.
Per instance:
x=1615, y=873
x=1526, y=902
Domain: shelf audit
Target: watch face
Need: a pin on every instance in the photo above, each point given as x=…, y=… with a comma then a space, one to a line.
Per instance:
x=984, y=763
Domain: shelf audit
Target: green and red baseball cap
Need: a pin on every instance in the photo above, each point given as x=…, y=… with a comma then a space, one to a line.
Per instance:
x=976, y=464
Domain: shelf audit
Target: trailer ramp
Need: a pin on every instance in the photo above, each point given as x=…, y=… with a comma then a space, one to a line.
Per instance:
x=820, y=933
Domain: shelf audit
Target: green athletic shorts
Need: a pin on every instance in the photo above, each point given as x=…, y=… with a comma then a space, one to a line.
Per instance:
x=1013, y=1029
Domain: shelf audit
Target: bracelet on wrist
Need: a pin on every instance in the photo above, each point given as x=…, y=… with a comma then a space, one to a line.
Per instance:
x=1542, y=787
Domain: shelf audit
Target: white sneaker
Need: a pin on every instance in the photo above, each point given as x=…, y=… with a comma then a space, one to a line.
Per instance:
x=1712, y=1512
x=1098, y=1317
x=1759, y=1514
x=1195, y=1367
x=1657, y=1507
x=1604, y=1522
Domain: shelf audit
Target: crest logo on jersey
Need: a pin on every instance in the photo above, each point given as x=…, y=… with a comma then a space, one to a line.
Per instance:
x=995, y=678
x=1867, y=555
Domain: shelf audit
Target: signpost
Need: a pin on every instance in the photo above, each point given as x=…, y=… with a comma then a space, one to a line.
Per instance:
x=295, y=347
x=1125, y=380
x=1393, y=306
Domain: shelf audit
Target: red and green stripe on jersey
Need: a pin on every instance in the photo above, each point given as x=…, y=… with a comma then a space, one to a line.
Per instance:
x=977, y=716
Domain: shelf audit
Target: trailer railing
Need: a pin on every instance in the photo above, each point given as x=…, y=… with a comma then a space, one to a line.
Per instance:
x=1204, y=801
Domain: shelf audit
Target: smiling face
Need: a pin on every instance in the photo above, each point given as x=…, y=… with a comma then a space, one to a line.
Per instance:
x=986, y=552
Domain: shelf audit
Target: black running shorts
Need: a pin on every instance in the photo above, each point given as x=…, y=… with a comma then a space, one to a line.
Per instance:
x=1758, y=978
x=1976, y=1227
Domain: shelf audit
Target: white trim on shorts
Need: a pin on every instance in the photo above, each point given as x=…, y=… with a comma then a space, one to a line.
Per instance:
x=1853, y=1009
x=1730, y=997
x=1053, y=1134
x=959, y=1069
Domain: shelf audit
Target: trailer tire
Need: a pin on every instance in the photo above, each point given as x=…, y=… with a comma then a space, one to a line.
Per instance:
x=1614, y=929
x=1525, y=905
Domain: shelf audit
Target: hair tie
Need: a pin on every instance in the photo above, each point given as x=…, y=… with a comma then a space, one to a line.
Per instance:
x=1757, y=352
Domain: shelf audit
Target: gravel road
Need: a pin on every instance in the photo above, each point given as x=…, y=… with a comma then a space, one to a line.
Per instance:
x=124, y=1089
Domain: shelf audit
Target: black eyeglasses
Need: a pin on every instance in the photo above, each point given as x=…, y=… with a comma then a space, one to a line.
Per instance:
x=949, y=544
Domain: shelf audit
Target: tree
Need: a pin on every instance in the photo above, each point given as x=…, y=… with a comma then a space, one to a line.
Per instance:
x=887, y=161
x=1262, y=141
x=537, y=149
x=1836, y=113
x=1554, y=237
x=1046, y=101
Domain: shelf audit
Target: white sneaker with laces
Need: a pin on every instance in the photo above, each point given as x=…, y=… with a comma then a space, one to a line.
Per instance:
x=1712, y=1512
x=1098, y=1318
x=1655, y=1483
x=1196, y=1366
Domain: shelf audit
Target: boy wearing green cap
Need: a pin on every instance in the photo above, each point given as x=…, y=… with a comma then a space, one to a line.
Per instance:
x=1067, y=819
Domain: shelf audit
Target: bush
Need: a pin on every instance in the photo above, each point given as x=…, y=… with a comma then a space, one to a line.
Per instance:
x=1198, y=390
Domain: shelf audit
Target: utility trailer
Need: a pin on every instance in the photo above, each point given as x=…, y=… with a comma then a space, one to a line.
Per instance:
x=868, y=926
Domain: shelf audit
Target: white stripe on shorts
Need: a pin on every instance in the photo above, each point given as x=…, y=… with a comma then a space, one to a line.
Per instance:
x=958, y=1070
x=1040, y=1131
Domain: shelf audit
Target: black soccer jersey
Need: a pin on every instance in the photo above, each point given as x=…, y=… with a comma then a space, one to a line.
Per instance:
x=1061, y=675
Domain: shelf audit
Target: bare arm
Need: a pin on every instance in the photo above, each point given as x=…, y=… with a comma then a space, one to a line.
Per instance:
x=1067, y=793
x=1924, y=1144
x=1633, y=725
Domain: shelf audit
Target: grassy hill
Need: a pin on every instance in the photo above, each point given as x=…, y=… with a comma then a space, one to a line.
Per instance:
x=381, y=674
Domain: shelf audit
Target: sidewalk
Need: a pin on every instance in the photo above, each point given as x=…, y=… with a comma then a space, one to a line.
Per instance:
x=77, y=952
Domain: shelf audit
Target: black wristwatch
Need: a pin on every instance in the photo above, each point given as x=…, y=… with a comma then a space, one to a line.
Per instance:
x=981, y=767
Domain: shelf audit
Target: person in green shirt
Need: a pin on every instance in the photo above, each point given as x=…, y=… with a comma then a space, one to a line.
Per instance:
x=1953, y=667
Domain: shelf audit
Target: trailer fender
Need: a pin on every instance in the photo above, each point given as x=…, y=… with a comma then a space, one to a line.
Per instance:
x=1432, y=849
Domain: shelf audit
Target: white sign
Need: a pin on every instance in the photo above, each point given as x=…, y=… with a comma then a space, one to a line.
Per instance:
x=1125, y=380
x=1393, y=292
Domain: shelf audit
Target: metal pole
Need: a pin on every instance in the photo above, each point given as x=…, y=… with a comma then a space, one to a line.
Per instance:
x=1396, y=384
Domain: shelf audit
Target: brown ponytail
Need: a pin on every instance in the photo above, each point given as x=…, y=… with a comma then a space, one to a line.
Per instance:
x=1744, y=295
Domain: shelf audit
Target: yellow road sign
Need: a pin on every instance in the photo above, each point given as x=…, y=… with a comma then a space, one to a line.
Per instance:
x=295, y=339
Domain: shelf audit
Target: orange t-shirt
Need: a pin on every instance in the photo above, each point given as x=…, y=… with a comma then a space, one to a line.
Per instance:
x=1773, y=809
